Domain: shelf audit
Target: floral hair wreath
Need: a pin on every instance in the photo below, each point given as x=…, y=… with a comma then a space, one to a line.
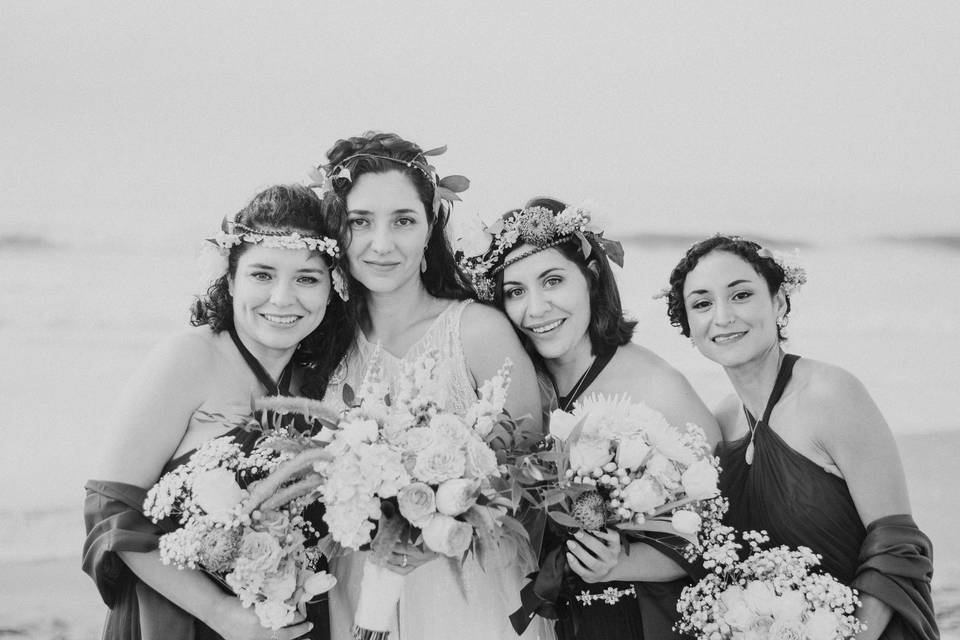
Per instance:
x=538, y=226
x=233, y=233
x=445, y=189
x=794, y=275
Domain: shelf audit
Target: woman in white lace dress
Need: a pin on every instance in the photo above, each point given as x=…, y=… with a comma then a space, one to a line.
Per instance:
x=408, y=295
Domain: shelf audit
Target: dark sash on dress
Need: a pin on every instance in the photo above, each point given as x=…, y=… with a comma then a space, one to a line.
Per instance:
x=896, y=567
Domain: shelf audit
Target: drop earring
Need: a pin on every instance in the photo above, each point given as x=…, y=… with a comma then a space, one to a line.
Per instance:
x=423, y=263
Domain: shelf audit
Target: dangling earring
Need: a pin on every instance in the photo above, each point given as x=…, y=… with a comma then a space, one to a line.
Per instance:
x=423, y=263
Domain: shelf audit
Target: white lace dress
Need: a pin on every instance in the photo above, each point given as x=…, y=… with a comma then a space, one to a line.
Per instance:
x=439, y=600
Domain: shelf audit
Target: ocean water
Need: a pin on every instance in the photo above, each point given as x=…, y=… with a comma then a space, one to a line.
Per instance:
x=75, y=321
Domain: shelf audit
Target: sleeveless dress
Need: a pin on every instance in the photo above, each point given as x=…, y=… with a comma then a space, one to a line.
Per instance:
x=114, y=518
x=651, y=612
x=799, y=503
x=439, y=600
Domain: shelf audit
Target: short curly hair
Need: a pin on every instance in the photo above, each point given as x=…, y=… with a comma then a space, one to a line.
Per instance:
x=609, y=328
x=284, y=208
x=766, y=267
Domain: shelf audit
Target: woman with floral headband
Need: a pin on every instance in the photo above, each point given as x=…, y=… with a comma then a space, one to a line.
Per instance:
x=806, y=454
x=268, y=326
x=548, y=267
x=408, y=295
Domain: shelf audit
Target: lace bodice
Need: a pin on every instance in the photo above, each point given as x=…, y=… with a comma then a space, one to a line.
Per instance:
x=443, y=337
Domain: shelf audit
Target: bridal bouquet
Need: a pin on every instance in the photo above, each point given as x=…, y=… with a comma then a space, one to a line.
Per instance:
x=403, y=469
x=241, y=515
x=772, y=594
x=618, y=464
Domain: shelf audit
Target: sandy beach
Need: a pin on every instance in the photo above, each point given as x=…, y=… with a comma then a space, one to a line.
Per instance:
x=54, y=600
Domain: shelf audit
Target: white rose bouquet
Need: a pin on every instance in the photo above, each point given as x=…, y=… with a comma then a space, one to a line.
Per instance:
x=772, y=594
x=237, y=513
x=613, y=463
x=405, y=470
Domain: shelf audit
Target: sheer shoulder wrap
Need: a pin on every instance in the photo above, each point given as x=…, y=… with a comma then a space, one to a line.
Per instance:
x=113, y=514
x=896, y=567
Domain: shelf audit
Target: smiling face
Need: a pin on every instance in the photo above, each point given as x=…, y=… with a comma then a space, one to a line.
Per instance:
x=547, y=297
x=279, y=297
x=731, y=313
x=388, y=232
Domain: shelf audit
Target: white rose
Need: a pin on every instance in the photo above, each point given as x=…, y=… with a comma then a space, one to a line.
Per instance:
x=472, y=237
x=685, y=521
x=642, y=495
x=589, y=453
x=260, y=552
x=664, y=470
x=216, y=491
x=447, y=536
x=438, y=462
x=449, y=426
x=700, y=480
x=481, y=461
x=317, y=583
x=822, y=624
x=280, y=586
x=417, y=502
x=760, y=597
x=631, y=452
x=457, y=495
x=786, y=630
x=273, y=614
x=562, y=423
x=789, y=606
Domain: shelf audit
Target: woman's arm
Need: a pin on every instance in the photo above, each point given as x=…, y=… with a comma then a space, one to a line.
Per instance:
x=488, y=340
x=853, y=433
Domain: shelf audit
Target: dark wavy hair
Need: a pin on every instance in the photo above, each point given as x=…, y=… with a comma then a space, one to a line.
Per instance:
x=284, y=208
x=443, y=277
x=609, y=328
x=767, y=268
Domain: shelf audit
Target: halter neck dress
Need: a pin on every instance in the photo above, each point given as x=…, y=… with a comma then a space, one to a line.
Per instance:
x=114, y=518
x=644, y=609
x=798, y=503
x=439, y=599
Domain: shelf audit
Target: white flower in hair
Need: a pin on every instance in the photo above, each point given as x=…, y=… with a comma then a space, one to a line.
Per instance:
x=794, y=275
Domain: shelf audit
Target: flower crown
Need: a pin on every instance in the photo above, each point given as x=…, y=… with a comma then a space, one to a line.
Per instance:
x=233, y=233
x=482, y=257
x=445, y=189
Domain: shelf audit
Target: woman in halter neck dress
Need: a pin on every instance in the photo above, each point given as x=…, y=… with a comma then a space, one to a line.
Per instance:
x=408, y=295
x=268, y=315
x=566, y=308
x=806, y=454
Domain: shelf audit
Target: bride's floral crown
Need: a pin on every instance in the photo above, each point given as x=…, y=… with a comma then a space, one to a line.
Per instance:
x=482, y=254
x=445, y=189
x=233, y=233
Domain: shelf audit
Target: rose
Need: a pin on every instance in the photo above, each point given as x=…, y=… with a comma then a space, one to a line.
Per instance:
x=642, y=496
x=317, y=583
x=660, y=467
x=760, y=597
x=417, y=502
x=447, y=536
x=457, y=495
x=472, y=239
x=700, y=480
x=216, y=491
x=481, y=461
x=274, y=522
x=449, y=426
x=685, y=521
x=280, y=586
x=631, y=451
x=418, y=439
x=590, y=453
x=260, y=551
x=822, y=624
x=786, y=630
x=562, y=423
x=789, y=606
x=438, y=462
x=274, y=614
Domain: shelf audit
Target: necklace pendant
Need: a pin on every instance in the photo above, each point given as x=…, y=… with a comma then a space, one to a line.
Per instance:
x=748, y=456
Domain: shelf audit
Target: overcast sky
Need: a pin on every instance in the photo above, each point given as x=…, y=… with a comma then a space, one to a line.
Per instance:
x=804, y=119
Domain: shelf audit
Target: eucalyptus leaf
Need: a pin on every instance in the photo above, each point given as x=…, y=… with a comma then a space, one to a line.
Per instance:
x=435, y=151
x=564, y=519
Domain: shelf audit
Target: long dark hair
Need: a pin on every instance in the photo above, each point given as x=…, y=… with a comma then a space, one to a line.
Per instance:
x=443, y=277
x=284, y=208
x=609, y=328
